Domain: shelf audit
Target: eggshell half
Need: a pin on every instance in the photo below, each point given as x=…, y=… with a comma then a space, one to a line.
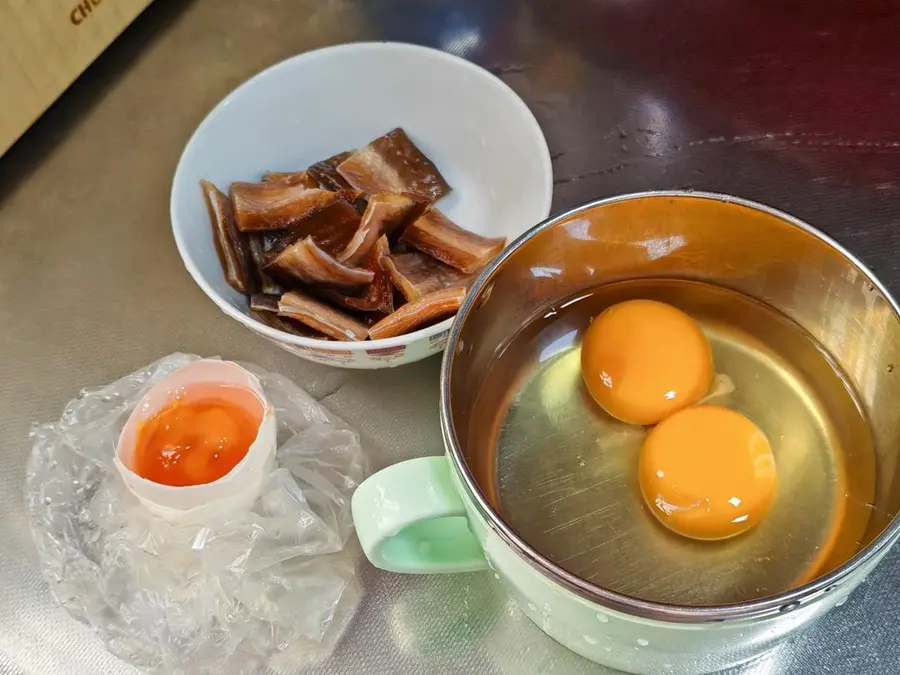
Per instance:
x=237, y=489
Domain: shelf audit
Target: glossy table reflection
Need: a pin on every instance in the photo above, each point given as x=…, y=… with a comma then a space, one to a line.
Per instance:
x=790, y=104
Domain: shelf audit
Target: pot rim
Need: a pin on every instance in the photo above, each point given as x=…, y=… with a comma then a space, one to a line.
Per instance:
x=770, y=605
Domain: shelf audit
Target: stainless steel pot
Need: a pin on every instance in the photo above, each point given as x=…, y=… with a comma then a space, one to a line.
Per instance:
x=432, y=515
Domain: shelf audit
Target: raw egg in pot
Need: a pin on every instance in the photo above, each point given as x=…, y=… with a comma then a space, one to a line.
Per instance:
x=643, y=360
x=707, y=472
x=199, y=437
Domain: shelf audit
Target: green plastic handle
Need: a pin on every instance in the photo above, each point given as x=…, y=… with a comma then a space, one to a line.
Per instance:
x=410, y=518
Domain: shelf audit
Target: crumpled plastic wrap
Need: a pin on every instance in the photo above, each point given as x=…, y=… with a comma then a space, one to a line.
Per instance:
x=273, y=586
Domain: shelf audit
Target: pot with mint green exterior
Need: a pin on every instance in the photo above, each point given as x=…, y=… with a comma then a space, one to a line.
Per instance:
x=430, y=515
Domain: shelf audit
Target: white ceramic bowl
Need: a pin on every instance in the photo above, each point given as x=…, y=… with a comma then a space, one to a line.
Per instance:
x=477, y=131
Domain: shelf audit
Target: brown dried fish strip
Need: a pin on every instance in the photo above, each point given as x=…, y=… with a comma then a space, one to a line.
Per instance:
x=379, y=295
x=384, y=214
x=260, y=244
x=231, y=244
x=286, y=325
x=438, y=236
x=416, y=274
x=295, y=178
x=393, y=163
x=321, y=317
x=325, y=172
x=263, y=302
x=277, y=205
x=332, y=228
x=306, y=262
x=413, y=315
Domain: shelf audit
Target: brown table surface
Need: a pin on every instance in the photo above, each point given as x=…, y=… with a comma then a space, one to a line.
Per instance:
x=792, y=104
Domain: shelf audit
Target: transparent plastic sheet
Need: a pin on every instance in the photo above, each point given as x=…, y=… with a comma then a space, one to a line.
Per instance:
x=274, y=585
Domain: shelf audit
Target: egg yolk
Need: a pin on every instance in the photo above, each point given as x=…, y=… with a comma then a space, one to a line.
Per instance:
x=707, y=472
x=195, y=440
x=642, y=360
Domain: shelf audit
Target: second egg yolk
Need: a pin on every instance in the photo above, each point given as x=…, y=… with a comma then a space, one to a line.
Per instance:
x=642, y=360
x=707, y=472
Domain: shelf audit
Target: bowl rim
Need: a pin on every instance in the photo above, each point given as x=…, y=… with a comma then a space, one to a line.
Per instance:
x=179, y=183
x=686, y=615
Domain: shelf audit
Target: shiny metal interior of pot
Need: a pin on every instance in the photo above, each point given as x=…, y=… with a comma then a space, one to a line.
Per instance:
x=727, y=242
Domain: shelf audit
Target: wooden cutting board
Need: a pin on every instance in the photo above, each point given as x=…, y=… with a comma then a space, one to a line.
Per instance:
x=44, y=46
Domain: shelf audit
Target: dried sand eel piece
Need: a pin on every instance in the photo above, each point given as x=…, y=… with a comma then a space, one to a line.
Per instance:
x=287, y=325
x=263, y=302
x=306, y=262
x=277, y=205
x=260, y=244
x=438, y=236
x=379, y=295
x=427, y=309
x=265, y=309
x=325, y=172
x=416, y=274
x=393, y=163
x=321, y=317
x=332, y=228
x=231, y=244
x=295, y=178
x=384, y=214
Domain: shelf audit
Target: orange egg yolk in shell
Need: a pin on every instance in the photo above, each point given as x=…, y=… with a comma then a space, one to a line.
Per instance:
x=197, y=438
